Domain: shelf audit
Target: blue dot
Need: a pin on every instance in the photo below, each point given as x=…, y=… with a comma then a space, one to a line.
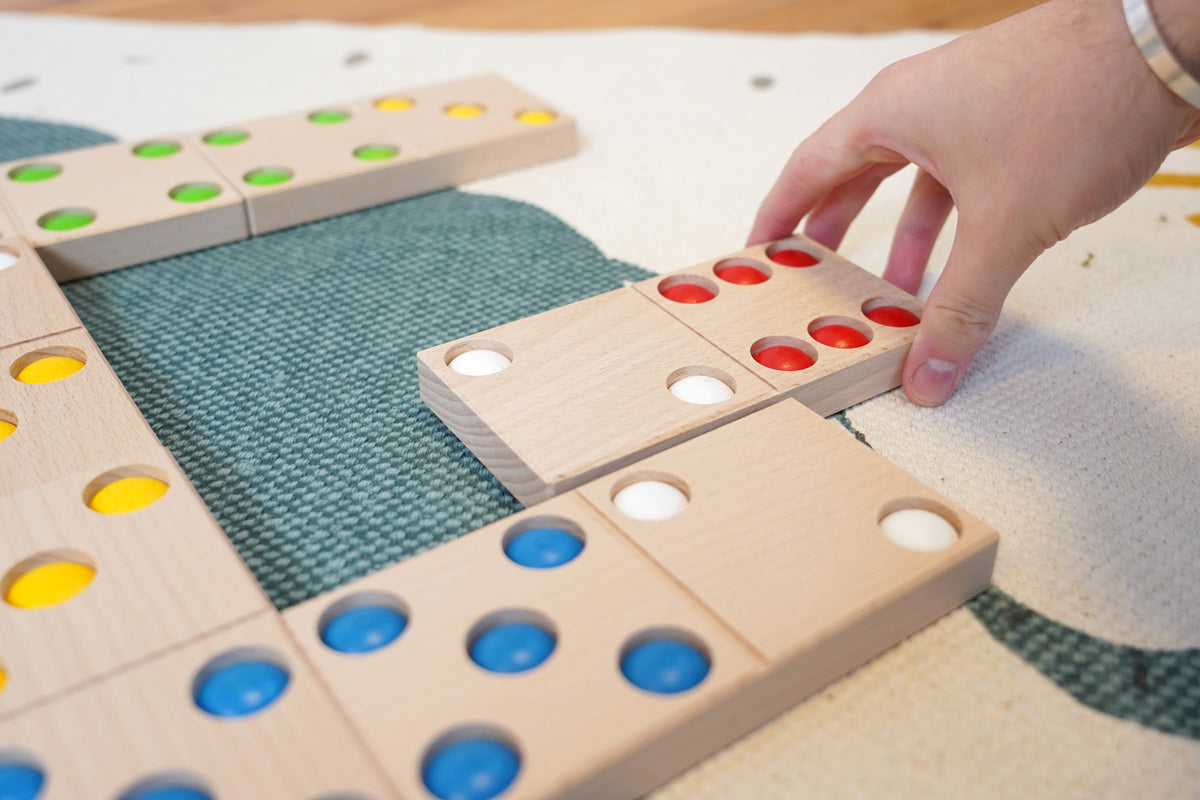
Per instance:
x=363, y=628
x=241, y=688
x=20, y=781
x=471, y=769
x=512, y=647
x=665, y=666
x=543, y=548
x=171, y=791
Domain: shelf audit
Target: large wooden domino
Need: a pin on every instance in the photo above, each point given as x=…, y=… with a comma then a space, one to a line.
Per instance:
x=552, y=400
x=787, y=562
x=587, y=390
x=144, y=729
x=101, y=208
x=105, y=207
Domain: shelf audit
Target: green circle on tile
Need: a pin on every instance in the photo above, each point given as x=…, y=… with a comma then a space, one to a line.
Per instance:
x=157, y=149
x=376, y=152
x=329, y=116
x=225, y=138
x=194, y=192
x=66, y=219
x=268, y=176
x=31, y=173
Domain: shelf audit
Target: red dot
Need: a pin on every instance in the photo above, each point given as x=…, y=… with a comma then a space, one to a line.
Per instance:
x=784, y=358
x=893, y=317
x=793, y=258
x=741, y=274
x=840, y=336
x=687, y=293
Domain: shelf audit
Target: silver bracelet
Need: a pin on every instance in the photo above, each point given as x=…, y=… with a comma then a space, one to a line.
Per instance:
x=1150, y=42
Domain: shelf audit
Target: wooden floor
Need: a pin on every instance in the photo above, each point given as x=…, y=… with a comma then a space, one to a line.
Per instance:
x=743, y=15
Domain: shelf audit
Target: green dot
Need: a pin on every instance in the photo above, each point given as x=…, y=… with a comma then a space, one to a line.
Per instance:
x=194, y=192
x=376, y=152
x=157, y=149
x=30, y=173
x=330, y=116
x=66, y=219
x=225, y=138
x=268, y=176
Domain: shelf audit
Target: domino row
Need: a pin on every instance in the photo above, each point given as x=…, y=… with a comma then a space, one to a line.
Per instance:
x=102, y=208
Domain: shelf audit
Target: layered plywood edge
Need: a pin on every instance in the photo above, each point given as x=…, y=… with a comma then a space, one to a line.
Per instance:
x=101, y=208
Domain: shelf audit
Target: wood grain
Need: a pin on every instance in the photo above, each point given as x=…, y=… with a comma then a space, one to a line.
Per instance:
x=581, y=728
x=142, y=723
x=858, y=16
x=31, y=304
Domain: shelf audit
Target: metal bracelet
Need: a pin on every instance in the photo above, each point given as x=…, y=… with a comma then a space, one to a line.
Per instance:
x=1150, y=42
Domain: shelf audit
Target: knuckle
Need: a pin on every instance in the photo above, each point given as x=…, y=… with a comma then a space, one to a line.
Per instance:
x=963, y=318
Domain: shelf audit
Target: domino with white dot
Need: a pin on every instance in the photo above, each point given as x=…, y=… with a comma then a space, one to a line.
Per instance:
x=553, y=400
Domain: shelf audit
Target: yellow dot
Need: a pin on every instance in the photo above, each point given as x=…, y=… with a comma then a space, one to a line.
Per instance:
x=49, y=584
x=536, y=117
x=127, y=494
x=464, y=110
x=392, y=104
x=1192, y=218
x=3, y=680
x=49, y=369
x=6, y=429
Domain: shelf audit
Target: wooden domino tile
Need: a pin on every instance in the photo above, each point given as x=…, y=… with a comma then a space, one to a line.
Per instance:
x=71, y=413
x=102, y=208
x=8, y=225
x=780, y=534
x=306, y=166
x=477, y=127
x=144, y=729
x=810, y=323
x=785, y=554
x=577, y=726
x=587, y=388
x=96, y=573
x=31, y=304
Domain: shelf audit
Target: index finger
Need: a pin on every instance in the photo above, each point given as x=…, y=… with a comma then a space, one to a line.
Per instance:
x=823, y=161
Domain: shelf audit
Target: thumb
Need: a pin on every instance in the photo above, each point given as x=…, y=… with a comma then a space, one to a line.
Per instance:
x=960, y=315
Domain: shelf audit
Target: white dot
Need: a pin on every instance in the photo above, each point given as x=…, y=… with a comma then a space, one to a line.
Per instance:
x=7, y=259
x=479, y=362
x=701, y=390
x=650, y=501
x=918, y=529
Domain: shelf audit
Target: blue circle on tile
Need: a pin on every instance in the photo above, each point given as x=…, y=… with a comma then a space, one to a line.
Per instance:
x=20, y=780
x=665, y=666
x=512, y=647
x=477, y=768
x=543, y=548
x=364, y=628
x=240, y=688
x=173, y=791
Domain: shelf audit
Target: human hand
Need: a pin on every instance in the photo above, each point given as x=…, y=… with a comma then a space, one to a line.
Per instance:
x=1031, y=127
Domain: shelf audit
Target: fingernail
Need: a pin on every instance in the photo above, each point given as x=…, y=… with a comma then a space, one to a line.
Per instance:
x=933, y=382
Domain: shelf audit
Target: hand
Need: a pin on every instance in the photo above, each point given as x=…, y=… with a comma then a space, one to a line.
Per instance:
x=1031, y=127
